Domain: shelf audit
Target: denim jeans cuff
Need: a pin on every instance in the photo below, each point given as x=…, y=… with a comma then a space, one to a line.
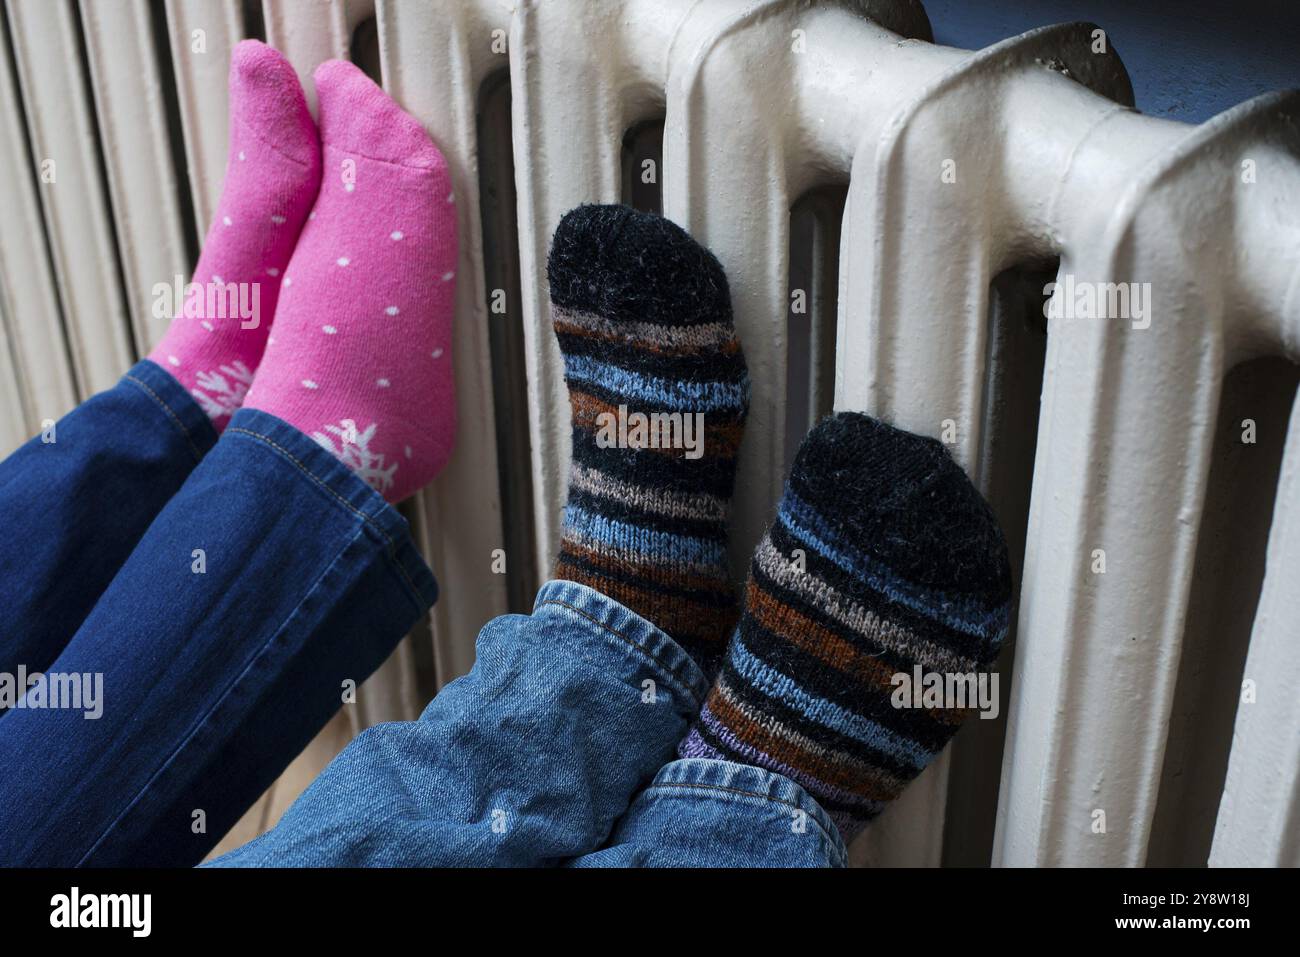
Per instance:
x=340, y=485
x=602, y=619
x=178, y=405
x=712, y=780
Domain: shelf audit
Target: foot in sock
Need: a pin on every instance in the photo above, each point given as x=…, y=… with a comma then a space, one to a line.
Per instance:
x=214, y=346
x=360, y=353
x=882, y=558
x=643, y=318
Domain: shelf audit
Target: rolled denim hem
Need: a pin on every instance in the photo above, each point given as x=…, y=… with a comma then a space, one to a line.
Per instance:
x=728, y=782
x=339, y=485
x=181, y=409
x=565, y=716
x=603, y=619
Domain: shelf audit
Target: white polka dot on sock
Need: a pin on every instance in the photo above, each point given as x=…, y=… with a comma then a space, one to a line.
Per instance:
x=273, y=271
x=343, y=260
x=173, y=360
x=328, y=330
x=312, y=214
x=437, y=353
x=308, y=384
x=395, y=234
x=242, y=156
x=391, y=310
x=288, y=280
x=407, y=450
x=383, y=383
x=217, y=279
x=451, y=197
x=278, y=220
x=448, y=276
x=226, y=220
x=349, y=186
x=207, y=325
x=270, y=341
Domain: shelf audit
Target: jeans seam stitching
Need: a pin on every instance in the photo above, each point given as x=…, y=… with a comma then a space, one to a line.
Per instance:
x=171, y=414
x=221, y=700
x=688, y=785
x=622, y=637
x=392, y=546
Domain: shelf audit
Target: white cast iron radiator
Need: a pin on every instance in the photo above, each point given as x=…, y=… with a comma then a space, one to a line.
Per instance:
x=916, y=199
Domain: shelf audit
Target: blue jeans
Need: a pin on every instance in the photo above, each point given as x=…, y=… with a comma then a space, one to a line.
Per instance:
x=557, y=748
x=227, y=592
x=223, y=593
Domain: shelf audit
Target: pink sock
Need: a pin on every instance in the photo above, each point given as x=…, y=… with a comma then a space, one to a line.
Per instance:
x=272, y=174
x=360, y=354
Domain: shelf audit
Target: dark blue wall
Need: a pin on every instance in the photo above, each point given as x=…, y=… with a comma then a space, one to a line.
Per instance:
x=1188, y=60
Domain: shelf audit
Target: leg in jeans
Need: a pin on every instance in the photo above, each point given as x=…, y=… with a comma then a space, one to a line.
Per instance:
x=76, y=501
x=699, y=812
x=528, y=760
x=275, y=577
x=214, y=675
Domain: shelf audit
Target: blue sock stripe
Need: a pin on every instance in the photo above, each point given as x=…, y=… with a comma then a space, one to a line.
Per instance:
x=785, y=689
x=681, y=548
x=676, y=395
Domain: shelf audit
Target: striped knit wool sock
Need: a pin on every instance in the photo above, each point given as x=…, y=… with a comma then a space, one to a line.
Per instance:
x=659, y=391
x=883, y=561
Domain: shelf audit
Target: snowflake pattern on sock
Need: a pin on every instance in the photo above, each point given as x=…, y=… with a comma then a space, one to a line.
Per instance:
x=221, y=392
x=354, y=451
x=360, y=356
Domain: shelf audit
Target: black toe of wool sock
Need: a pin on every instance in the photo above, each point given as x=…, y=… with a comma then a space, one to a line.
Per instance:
x=659, y=391
x=883, y=559
x=904, y=500
x=625, y=265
